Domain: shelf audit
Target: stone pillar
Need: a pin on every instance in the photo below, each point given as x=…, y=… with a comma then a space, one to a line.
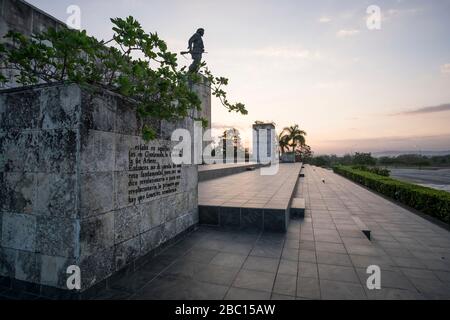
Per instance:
x=79, y=186
x=264, y=142
x=203, y=91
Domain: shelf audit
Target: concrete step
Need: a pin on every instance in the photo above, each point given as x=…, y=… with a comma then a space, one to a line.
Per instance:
x=214, y=171
x=298, y=207
x=362, y=226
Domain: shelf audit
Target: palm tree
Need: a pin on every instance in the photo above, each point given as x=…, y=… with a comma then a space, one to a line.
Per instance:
x=283, y=141
x=295, y=135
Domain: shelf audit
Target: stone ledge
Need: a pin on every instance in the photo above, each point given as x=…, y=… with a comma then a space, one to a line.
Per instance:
x=244, y=218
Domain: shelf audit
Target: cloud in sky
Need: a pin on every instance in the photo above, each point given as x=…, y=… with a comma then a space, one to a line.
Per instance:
x=445, y=68
x=339, y=84
x=431, y=109
x=284, y=52
x=324, y=19
x=380, y=144
x=343, y=33
x=394, y=13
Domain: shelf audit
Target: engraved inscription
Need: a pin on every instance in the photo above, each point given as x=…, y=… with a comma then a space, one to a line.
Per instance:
x=151, y=173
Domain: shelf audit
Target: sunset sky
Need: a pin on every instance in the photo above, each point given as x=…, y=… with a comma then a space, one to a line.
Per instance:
x=314, y=63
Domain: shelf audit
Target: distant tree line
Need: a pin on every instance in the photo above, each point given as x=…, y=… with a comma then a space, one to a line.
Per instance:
x=366, y=159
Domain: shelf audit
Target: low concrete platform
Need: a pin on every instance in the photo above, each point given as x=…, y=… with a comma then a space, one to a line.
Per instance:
x=214, y=171
x=249, y=200
x=298, y=207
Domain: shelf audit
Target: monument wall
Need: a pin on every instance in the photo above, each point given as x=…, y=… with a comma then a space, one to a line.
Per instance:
x=23, y=17
x=79, y=186
x=20, y=16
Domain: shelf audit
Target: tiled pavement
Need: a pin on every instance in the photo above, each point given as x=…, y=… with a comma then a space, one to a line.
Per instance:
x=322, y=256
x=251, y=189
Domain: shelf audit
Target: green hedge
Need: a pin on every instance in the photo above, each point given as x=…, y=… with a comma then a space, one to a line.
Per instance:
x=433, y=202
x=377, y=170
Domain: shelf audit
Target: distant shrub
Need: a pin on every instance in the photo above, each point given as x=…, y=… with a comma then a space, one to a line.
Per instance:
x=432, y=202
x=361, y=158
x=377, y=170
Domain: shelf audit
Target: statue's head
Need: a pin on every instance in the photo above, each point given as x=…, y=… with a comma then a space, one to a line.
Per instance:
x=201, y=31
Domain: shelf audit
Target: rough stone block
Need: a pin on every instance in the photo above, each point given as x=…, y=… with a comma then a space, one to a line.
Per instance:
x=192, y=202
x=54, y=270
x=151, y=239
x=8, y=262
x=96, y=194
x=169, y=207
x=189, y=177
x=122, y=149
x=51, y=241
x=22, y=150
x=97, y=152
x=56, y=195
x=97, y=266
x=97, y=233
x=60, y=107
x=127, y=252
x=18, y=16
x=98, y=111
x=181, y=203
x=120, y=185
x=2, y=111
x=151, y=215
x=184, y=222
x=19, y=231
x=169, y=230
x=126, y=223
x=58, y=150
x=21, y=110
x=27, y=266
x=126, y=119
x=168, y=127
x=17, y=192
x=42, y=21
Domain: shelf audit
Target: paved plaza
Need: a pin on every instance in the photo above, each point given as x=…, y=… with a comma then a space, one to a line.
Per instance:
x=322, y=256
x=251, y=189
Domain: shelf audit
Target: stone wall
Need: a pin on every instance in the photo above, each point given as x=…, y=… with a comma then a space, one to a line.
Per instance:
x=79, y=186
x=20, y=16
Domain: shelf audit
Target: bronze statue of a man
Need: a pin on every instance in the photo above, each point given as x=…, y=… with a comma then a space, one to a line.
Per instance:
x=196, y=49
